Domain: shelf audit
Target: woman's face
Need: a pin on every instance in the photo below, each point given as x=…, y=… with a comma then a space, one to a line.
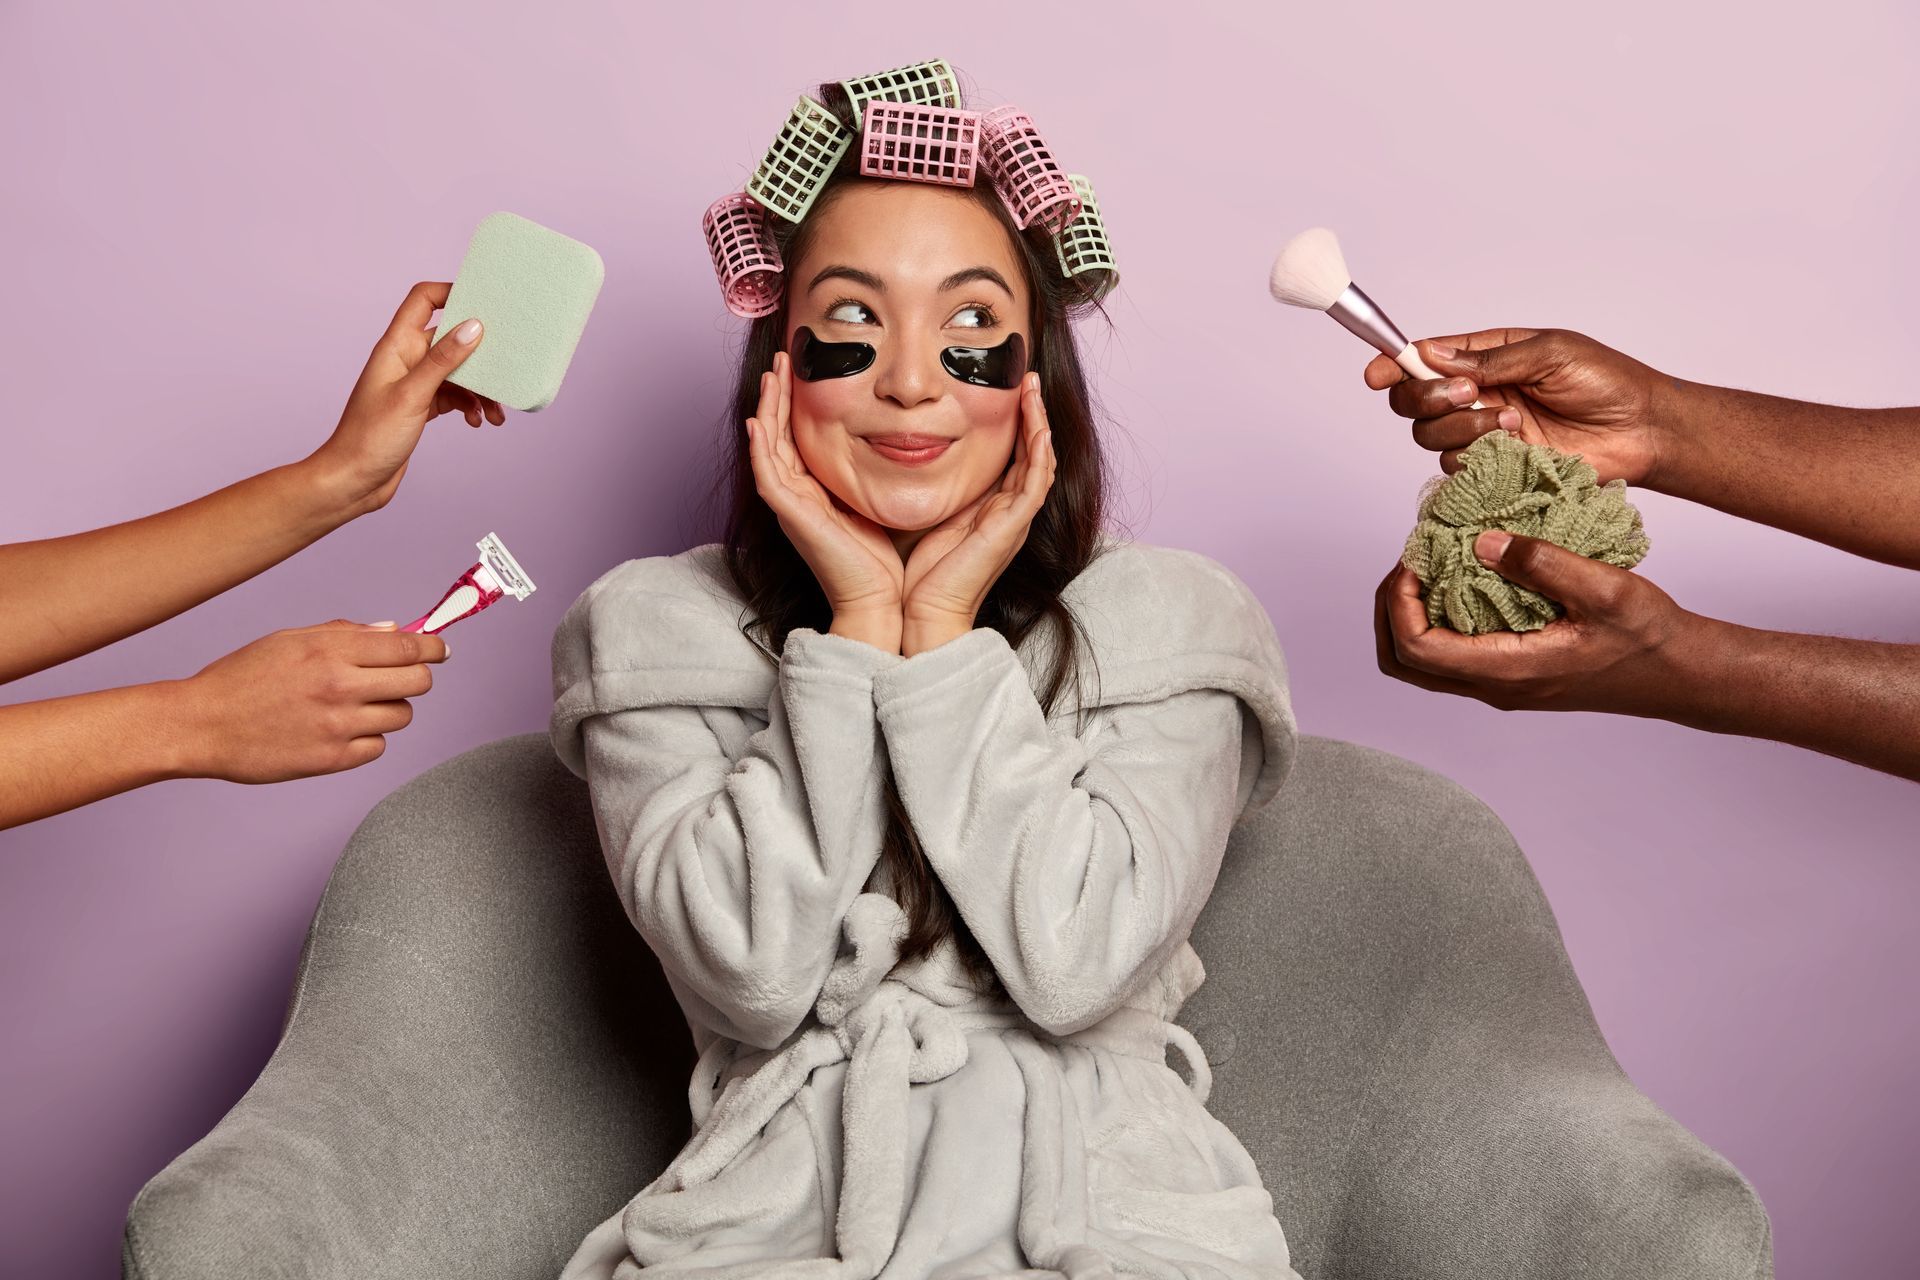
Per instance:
x=911, y=269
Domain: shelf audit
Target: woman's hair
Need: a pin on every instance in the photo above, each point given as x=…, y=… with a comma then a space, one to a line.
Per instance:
x=782, y=592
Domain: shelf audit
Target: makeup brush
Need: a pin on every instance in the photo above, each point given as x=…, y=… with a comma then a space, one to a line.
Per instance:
x=1312, y=272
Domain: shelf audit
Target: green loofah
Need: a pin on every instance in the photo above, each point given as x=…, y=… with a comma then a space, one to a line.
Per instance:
x=1506, y=483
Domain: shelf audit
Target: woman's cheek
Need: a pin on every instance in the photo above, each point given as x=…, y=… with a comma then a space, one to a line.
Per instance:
x=823, y=402
x=992, y=413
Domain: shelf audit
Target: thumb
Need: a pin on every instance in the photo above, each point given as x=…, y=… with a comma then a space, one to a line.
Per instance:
x=1527, y=361
x=1584, y=585
x=442, y=358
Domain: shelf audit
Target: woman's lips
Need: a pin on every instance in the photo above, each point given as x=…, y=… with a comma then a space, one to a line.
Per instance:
x=912, y=451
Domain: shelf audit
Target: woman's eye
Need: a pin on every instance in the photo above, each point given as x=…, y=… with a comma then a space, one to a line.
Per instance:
x=848, y=312
x=984, y=318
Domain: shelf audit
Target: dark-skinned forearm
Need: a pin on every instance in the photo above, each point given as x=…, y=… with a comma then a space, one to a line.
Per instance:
x=1855, y=699
x=1846, y=477
x=62, y=597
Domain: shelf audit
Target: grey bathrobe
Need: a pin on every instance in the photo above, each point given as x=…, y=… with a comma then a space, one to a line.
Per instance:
x=859, y=1117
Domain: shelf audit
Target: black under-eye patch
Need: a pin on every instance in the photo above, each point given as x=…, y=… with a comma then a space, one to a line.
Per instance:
x=1002, y=366
x=814, y=360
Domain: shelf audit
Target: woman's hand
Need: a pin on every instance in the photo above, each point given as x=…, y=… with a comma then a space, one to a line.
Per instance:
x=955, y=564
x=852, y=557
x=402, y=387
x=1547, y=386
x=306, y=701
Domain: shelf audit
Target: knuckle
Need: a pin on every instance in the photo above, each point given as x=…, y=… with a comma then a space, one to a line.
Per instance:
x=1611, y=592
x=1523, y=554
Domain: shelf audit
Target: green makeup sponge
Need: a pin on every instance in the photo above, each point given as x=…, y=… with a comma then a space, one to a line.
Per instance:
x=533, y=289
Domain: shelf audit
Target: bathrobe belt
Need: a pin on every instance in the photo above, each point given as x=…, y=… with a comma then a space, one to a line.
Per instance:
x=893, y=1029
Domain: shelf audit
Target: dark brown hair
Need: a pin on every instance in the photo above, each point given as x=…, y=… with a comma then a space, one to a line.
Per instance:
x=782, y=592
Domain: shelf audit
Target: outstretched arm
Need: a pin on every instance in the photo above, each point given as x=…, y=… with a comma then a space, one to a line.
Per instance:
x=63, y=597
x=1625, y=646
x=67, y=596
x=1846, y=477
x=290, y=705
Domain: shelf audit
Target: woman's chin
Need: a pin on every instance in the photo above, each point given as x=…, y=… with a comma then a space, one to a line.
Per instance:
x=909, y=513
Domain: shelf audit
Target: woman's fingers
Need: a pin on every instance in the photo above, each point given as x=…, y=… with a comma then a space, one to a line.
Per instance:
x=389, y=684
x=378, y=718
x=764, y=410
x=783, y=426
x=416, y=311
x=1031, y=474
x=783, y=376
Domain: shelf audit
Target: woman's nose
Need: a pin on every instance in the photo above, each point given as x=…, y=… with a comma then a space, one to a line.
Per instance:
x=909, y=374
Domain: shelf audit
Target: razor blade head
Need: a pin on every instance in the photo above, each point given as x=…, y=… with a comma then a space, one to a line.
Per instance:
x=500, y=562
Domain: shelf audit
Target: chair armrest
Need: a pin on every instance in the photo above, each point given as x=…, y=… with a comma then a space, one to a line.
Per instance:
x=1496, y=1140
x=1401, y=1043
x=481, y=1060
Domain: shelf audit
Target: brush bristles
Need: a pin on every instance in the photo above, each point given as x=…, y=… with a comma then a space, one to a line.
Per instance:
x=1310, y=271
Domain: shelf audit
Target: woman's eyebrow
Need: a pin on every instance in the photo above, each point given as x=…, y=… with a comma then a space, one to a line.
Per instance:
x=970, y=274
x=966, y=275
x=855, y=274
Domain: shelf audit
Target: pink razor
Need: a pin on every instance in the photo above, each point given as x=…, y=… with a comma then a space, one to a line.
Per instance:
x=497, y=574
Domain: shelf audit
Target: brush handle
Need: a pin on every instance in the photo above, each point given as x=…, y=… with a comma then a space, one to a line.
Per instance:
x=1409, y=359
x=1360, y=315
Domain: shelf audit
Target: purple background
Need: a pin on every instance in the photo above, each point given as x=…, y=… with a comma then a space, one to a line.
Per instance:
x=210, y=214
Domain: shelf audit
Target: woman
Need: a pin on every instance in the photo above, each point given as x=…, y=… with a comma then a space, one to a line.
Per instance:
x=928, y=925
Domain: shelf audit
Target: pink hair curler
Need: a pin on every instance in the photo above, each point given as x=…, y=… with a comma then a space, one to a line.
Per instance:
x=744, y=255
x=919, y=143
x=1031, y=184
x=497, y=574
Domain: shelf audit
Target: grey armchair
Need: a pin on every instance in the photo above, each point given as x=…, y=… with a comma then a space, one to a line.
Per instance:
x=481, y=1060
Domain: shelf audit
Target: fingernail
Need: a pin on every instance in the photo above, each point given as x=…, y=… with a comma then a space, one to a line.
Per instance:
x=1491, y=545
x=468, y=331
x=1442, y=350
x=1459, y=390
x=388, y=623
x=1509, y=419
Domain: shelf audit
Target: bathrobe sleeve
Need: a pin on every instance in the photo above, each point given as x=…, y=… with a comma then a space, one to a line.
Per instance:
x=1080, y=861
x=736, y=846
